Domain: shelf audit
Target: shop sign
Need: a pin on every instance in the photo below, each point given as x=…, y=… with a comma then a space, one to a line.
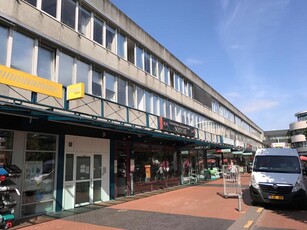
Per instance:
x=228, y=141
x=75, y=91
x=22, y=80
x=176, y=127
x=223, y=150
x=239, y=143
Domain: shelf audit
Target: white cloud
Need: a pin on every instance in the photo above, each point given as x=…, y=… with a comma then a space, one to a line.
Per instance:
x=193, y=61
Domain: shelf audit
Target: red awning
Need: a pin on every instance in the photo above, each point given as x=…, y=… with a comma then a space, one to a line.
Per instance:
x=303, y=158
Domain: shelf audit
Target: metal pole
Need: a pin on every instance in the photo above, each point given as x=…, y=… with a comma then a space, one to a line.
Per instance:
x=240, y=202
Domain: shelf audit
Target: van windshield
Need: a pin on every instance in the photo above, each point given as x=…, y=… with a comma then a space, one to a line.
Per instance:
x=281, y=164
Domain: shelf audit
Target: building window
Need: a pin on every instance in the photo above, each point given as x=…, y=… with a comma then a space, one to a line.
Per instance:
x=39, y=174
x=166, y=75
x=49, y=7
x=66, y=65
x=139, y=57
x=69, y=12
x=154, y=65
x=155, y=104
x=82, y=74
x=45, y=63
x=131, y=95
x=3, y=44
x=148, y=102
x=121, y=46
x=84, y=22
x=110, y=39
x=97, y=83
x=98, y=31
x=147, y=62
x=168, y=109
x=162, y=108
x=171, y=78
x=110, y=87
x=140, y=98
x=130, y=49
x=121, y=91
x=22, y=53
x=161, y=72
x=32, y=2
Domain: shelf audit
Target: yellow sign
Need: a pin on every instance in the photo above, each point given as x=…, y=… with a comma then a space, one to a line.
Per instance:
x=75, y=91
x=16, y=78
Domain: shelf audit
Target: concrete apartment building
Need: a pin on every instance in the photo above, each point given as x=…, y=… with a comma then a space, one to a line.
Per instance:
x=298, y=132
x=93, y=108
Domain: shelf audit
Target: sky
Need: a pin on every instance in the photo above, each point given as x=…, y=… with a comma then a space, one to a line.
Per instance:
x=252, y=52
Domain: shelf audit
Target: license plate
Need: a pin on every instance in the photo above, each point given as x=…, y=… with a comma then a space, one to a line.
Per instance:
x=275, y=197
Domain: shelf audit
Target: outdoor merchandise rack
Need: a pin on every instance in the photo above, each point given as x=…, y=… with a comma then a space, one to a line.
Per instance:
x=7, y=187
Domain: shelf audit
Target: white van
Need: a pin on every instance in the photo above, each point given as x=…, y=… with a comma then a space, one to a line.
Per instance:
x=277, y=177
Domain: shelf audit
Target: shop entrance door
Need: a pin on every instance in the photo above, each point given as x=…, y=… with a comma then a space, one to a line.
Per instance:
x=83, y=179
x=88, y=179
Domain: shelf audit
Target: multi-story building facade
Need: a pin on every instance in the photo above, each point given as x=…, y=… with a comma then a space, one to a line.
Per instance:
x=277, y=139
x=298, y=131
x=93, y=108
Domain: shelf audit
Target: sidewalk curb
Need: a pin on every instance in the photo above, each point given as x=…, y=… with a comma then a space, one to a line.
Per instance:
x=248, y=220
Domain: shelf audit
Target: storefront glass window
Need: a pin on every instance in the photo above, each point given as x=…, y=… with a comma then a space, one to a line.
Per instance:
x=155, y=166
x=39, y=172
x=3, y=44
x=6, y=147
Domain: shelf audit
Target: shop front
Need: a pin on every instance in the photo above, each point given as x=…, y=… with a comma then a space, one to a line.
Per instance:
x=141, y=167
x=86, y=174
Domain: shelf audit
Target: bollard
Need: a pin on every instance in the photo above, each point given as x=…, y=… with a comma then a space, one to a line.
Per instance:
x=240, y=202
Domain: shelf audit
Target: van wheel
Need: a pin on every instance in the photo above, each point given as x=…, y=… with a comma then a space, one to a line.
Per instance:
x=254, y=203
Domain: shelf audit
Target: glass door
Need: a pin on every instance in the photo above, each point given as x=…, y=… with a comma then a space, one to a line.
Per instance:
x=88, y=179
x=83, y=180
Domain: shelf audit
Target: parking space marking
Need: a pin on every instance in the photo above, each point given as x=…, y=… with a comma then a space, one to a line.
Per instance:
x=248, y=224
x=259, y=210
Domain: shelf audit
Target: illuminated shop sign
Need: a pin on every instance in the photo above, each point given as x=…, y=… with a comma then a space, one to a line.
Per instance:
x=19, y=79
x=75, y=91
x=176, y=127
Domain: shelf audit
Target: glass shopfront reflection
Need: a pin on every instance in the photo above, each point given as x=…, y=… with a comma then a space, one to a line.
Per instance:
x=155, y=167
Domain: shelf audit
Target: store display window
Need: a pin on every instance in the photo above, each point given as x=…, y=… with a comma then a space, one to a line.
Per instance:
x=39, y=174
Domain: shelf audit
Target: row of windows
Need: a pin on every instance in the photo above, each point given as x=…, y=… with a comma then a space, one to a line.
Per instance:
x=299, y=131
x=26, y=54
x=224, y=112
x=302, y=117
x=78, y=18
x=81, y=19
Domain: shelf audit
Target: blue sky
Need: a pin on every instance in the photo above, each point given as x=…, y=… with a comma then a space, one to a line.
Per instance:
x=253, y=52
